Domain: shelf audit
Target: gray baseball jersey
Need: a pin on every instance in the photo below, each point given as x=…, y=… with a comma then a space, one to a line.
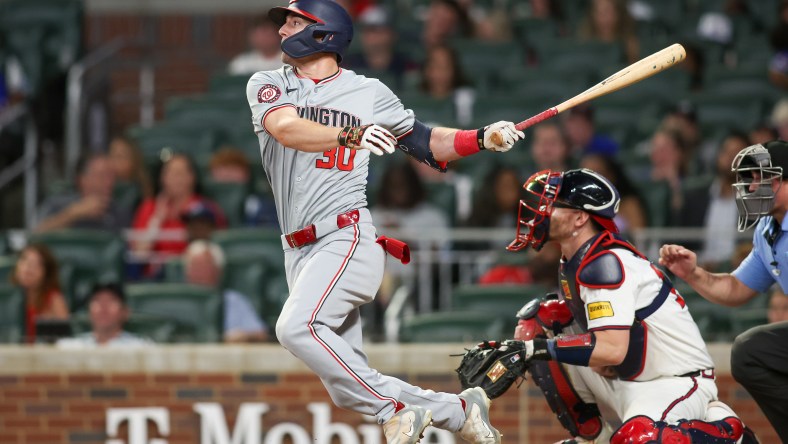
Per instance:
x=309, y=187
x=331, y=278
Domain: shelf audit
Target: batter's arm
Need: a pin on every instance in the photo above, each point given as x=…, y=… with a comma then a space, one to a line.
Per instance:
x=442, y=144
x=292, y=131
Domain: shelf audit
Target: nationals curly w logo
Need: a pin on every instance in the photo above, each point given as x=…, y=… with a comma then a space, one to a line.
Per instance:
x=268, y=94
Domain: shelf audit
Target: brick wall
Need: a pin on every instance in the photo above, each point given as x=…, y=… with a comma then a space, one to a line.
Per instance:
x=185, y=50
x=53, y=397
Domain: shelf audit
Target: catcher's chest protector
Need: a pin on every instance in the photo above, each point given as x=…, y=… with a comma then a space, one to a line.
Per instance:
x=591, y=266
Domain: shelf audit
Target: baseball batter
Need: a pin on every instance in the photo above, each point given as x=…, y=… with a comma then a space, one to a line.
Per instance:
x=630, y=347
x=317, y=125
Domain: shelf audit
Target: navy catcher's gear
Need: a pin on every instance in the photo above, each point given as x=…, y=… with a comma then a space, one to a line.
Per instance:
x=331, y=32
x=582, y=189
x=579, y=418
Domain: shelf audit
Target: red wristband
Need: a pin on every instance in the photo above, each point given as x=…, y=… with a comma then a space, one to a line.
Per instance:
x=467, y=142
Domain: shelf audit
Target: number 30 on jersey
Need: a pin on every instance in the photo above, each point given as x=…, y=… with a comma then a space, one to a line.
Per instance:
x=340, y=156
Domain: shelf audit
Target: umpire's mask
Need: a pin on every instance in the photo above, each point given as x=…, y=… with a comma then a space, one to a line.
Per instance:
x=754, y=177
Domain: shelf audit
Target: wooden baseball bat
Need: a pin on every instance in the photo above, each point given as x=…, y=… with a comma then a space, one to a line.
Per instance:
x=642, y=69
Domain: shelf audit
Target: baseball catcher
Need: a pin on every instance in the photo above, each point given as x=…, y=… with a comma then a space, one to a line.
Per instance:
x=618, y=347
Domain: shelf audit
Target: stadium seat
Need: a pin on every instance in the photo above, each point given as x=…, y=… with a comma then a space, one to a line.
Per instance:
x=196, y=311
x=444, y=196
x=12, y=314
x=7, y=265
x=230, y=197
x=429, y=110
x=196, y=142
x=253, y=243
x=209, y=112
x=501, y=300
x=535, y=30
x=229, y=85
x=728, y=112
x=93, y=256
x=460, y=326
x=247, y=276
x=574, y=55
x=657, y=196
x=159, y=329
x=126, y=195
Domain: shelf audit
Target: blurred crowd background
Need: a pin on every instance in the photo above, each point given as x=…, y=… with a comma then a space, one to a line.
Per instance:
x=134, y=210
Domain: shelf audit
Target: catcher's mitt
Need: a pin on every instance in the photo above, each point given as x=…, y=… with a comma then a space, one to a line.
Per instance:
x=492, y=366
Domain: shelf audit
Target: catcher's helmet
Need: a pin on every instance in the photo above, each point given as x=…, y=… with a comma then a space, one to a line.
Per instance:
x=331, y=32
x=582, y=189
x=756, y=167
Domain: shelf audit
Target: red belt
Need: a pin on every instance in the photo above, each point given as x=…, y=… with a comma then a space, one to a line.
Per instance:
x=307, y=235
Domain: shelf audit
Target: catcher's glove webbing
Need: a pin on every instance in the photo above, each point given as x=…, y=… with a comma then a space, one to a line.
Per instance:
x=492, y=366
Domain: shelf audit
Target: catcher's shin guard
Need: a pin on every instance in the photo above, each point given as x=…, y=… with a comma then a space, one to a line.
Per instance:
x=578, y=417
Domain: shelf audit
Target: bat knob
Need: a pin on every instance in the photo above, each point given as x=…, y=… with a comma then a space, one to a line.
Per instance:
x=496, y=138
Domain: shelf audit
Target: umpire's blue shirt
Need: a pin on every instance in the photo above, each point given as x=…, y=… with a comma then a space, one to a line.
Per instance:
x=767, y=263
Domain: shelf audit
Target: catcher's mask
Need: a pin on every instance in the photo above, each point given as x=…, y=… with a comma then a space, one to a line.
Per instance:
x=755, y=174
x=580, y=189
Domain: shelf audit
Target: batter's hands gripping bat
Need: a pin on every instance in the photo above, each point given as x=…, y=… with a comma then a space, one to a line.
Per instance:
x=642, y=69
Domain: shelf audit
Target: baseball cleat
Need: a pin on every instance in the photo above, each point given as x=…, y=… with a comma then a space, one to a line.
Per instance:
x=407, y=425
x=477, y=428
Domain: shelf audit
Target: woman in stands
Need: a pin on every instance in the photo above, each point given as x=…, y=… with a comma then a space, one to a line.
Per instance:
x=159, y=221
x=632, y=210
x=128, y=166
x=36, y=274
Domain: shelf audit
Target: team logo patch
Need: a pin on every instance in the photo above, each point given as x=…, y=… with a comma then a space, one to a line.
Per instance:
x=496, y=371
x=565, y=288
x=268, y=94
x=598, y=310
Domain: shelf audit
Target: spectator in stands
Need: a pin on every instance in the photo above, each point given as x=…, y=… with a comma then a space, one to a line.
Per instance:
x=684, y=119
x=545, y=10
x=203, y=264
x=579, y=127
x=36, y=274
x=669, y=163
x=497, y=199
x=442, y=78
x=265, y=53
x=402, y=202
x=778, y=306
x=632, y=213
x=550, y=148
x=761, y=134
x=714, y=208
x=230, y=165
x=780, y=119
x=162, y=214
x=92, y=207
x=108, y=313
x=127, y=164
x=378, y=49
x=609, y=21
x=694, y=64
x=446, y=19
x=200, y=220
x=778, y=65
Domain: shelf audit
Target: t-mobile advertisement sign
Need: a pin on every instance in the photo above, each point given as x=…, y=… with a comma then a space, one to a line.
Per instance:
x=250, y=427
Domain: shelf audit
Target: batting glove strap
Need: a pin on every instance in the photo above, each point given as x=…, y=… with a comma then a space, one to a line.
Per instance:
x=350, y=136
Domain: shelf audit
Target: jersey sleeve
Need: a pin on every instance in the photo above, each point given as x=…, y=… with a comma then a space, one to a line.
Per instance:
x=752, y=272
x=611, y=308
x=390, y=113
x=266, y=91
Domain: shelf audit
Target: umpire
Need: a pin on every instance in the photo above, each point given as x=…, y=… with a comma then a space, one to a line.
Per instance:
x=759, y=359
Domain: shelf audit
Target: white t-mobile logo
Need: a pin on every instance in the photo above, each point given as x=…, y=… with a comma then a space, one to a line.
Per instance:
x=138, y=424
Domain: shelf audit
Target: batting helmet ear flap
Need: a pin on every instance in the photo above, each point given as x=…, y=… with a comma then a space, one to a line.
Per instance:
x=332, y=31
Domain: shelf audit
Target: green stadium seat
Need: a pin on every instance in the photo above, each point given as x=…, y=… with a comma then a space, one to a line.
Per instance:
x=197, y=142
x=429, y=110
x=12, y=314
x=460, y=326
x=501, y=300
x=482, y=59
x=210, y=112
x=93, y=256
x=444, y=196
x=159, y=329
x=126, y=195
x=574, y=55
x=249, y=277
x=7, y=265
x=230, y=197
x=196, y=311
x=229, y=85
x=253, y=243
x=534, y=30
x=724, y=112
x=657, y=196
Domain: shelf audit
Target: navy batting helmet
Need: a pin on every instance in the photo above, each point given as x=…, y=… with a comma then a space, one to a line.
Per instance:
x=331, y=32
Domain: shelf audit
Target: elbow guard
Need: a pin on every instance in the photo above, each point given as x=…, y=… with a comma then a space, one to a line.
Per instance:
x=416, y=143
x=550, y=313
